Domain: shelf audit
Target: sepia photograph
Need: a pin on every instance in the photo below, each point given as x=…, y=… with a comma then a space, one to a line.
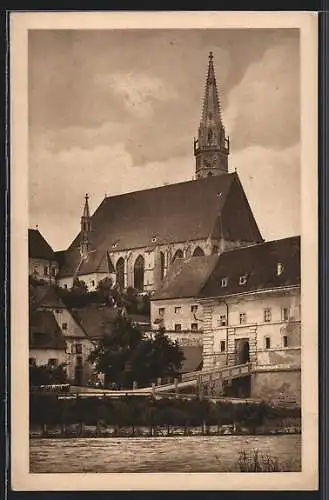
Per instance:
x=164, y=195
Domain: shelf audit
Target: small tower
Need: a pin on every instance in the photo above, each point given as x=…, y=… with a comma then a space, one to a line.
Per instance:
x=211, y=148
x=85, y=229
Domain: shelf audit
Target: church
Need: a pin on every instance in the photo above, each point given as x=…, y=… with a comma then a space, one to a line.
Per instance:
x=134, y=238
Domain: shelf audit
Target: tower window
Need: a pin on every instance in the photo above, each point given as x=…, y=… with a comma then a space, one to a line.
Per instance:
x=210, y=135
x=223, y=282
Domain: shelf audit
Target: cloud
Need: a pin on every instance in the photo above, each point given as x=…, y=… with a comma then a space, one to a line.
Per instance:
x=271, y=180
x=137, y=92
x=59, y=180
x=264, y=107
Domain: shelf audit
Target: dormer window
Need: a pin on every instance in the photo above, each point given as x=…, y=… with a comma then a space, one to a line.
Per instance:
x=279, y=269
x=223, y=282
x=243, y=279
x=115, y=244
x=154, y=239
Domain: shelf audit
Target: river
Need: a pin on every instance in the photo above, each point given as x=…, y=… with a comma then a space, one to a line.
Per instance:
x=159, y=454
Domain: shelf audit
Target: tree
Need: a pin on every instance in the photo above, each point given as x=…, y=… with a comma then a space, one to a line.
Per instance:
x=125, y=355
x=47, y=375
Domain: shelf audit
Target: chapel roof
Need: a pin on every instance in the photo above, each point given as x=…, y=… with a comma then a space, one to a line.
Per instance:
x=39, y=248
x=212, y=207
x=45, y=332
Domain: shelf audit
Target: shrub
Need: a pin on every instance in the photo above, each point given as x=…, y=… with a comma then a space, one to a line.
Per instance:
x=254, y=461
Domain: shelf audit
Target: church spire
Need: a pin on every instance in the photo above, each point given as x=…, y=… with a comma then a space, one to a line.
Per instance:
x=85, y=229
x=211, y=148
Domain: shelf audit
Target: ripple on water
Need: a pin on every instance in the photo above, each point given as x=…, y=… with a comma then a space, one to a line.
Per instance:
x=161, y=454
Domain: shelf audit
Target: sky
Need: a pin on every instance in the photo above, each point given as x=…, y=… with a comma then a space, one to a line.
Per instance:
x=115, y=111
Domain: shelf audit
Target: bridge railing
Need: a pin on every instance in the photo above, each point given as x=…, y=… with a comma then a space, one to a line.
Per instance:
x=224, y=372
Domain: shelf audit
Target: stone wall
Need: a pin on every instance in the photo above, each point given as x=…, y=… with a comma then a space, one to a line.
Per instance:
x=280, y=386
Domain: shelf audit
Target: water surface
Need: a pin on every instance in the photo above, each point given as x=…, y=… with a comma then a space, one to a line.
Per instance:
x=158, y=454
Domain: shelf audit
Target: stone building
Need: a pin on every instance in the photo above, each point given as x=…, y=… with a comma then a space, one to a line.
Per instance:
x=134, y=238
x=248, y=303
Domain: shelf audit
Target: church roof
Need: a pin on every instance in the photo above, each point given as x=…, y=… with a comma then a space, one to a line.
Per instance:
x=38, y=246
x=185, y=278
x=46, y=296
x=258, y=267
x=45, y=332
x=180, y=212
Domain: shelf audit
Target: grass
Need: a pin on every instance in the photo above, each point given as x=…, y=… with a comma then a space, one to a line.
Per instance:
x=255, y=461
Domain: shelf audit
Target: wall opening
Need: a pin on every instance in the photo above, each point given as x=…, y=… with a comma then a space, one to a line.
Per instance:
x=139, y=273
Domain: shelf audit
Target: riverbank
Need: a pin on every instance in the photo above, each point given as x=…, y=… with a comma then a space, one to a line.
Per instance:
x=93, y=432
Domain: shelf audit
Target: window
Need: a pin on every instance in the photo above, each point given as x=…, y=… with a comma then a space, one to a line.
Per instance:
x=279, y=269
x=32, y=362
x=53, y=271
x=198, y=252
x=161, y=312
x=222, y=320
x=139, y=273
x=178, y=255
x=65, y=286
x=285, y=313
x=154, y=239
x=35, y=269
x=162, y=265
x=120, y=273
x=243, y=279
x=78, y=348
x=64, y=326
x=194, y=309
x=177, y=309
x=285, y=341
x=222, y=346
x=79, y=361
x=243, y=318
x=45, y=271
x=223, y=282
x=178, y=327
x=92, y=283
x=267, y=315
x=53, y=362
x=194, y=327
x=267, y=343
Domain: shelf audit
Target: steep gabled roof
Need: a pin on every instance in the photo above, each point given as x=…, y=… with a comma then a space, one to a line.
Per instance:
x=38, y=246
x=259, y=265
x=45, y=332
x=175, y=213
x=46, y=296
x=185, y=279
x=95, y=320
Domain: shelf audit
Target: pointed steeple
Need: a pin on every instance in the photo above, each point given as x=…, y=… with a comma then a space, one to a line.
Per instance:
x=85, y=240
x=211, y=149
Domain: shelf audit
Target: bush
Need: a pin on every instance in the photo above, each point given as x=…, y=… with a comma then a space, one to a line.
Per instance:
x=254, y=461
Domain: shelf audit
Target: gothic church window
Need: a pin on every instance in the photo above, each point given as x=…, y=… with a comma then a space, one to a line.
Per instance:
x=120, y=273
x=178, y=255
x=209, y=136
x=162, y=265
x=198, y=252
x=139, y=273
